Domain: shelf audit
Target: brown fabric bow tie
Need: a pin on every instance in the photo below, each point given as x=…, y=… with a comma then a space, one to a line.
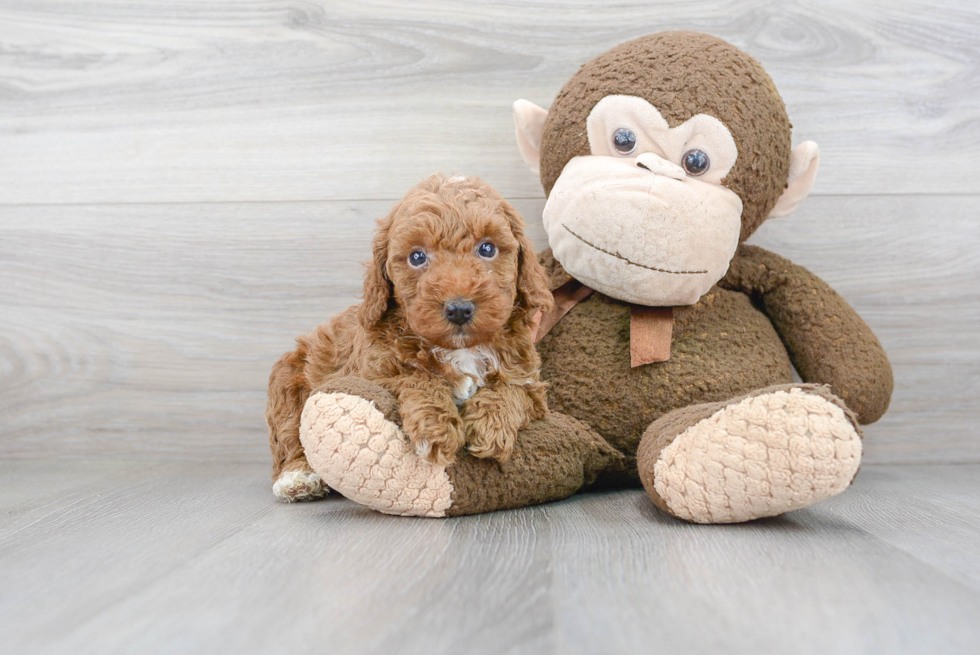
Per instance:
x=651, y=328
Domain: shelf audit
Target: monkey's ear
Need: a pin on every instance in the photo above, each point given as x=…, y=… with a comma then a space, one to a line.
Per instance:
x=529, y=123
x=803, y=164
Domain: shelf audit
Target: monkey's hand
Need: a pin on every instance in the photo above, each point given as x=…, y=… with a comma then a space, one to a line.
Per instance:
x=828, y=342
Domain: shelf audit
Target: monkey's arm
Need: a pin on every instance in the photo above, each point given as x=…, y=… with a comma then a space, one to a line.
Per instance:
x=827, y=341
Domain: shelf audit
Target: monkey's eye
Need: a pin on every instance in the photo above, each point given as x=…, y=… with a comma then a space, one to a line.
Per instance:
x=417, y=258
x=696, y=162
x=487, y=250
x=625, y=140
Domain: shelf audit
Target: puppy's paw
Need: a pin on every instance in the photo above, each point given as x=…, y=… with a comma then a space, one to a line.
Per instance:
x=489, y=439
x=492, y=425
x=436, y=438
x=292, y=486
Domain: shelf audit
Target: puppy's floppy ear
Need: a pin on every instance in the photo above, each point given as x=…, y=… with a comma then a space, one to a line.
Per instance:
x=377, y=286
x=532, y=282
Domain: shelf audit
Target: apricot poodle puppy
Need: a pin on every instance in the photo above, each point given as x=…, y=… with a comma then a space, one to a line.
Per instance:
x=445, y=326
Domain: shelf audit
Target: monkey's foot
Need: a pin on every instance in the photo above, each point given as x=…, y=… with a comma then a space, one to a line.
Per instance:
x=773, y=451
x=292, y=486
x=360, y=453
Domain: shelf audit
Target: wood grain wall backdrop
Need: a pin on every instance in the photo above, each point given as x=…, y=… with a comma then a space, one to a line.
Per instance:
x=198, y=100
x=186, y=186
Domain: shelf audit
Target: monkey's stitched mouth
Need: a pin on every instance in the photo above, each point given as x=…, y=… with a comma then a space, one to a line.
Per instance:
x=630, y=262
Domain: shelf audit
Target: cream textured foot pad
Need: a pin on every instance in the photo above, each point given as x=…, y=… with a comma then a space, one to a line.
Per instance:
x=292, y=486
x=762, y=456
x=367, y=458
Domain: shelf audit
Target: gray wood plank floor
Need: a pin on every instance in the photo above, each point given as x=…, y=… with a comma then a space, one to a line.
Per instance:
x=114, y=556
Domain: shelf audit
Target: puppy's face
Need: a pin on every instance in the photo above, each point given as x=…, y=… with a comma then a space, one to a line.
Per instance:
x=456, y=261
x=453, y=267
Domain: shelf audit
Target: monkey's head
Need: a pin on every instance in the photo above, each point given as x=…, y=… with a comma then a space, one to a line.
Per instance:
x=658, y=158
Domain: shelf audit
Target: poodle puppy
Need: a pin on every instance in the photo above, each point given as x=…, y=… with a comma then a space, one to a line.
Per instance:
x=445, y=326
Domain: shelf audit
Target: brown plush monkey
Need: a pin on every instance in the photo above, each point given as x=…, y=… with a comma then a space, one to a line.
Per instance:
x=670, y=341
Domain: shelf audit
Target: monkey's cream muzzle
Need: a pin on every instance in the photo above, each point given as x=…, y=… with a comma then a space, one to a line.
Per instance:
x=646, y=217
x=647, y=235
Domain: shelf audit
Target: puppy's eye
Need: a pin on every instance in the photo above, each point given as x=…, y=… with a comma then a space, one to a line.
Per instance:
x=696, y=162
x=625, y=140
x=487, y=250
x=417, y=258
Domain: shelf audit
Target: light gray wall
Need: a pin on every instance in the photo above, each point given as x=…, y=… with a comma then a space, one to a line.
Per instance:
x=186, y=187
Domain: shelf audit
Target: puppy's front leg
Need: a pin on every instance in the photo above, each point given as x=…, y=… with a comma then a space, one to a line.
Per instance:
x=431, y=419
x=495, y=415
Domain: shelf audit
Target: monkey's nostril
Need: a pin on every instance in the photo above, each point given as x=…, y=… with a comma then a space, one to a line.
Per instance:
x=659, y=166
x=459, y=312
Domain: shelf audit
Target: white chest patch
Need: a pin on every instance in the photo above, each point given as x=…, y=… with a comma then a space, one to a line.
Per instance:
x=472, y=364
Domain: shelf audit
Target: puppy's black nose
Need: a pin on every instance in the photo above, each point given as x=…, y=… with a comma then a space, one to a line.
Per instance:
x=459, y=312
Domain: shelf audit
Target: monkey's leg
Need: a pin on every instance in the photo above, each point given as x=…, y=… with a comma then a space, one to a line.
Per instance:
x=766, y=453
x=354, y=442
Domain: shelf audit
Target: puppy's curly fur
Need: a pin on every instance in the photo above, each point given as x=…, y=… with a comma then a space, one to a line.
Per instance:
x=475, y=383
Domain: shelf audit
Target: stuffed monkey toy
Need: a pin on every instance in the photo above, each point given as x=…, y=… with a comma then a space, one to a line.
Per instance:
x=670, y=352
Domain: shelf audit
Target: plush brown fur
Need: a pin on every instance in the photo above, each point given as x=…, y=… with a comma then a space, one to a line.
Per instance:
x=683, y=74
x=400, y=337
x=765, y=313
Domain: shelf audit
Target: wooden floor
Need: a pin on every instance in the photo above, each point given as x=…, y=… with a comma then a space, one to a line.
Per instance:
x=184, y=187
x=122, y=557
